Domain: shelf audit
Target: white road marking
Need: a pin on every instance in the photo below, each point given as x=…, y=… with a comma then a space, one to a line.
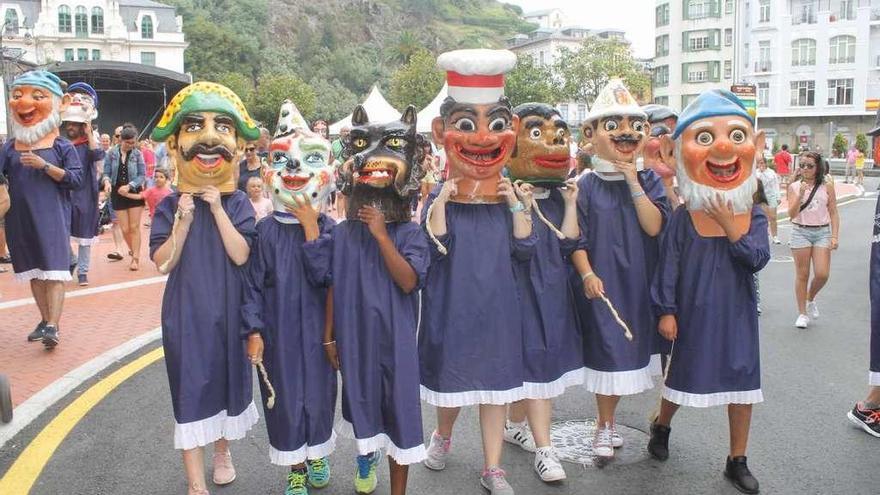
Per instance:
x=88, y=292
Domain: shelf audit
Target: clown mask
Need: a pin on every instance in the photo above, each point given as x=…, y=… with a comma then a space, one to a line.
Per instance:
x=542, y=150
x=206, y=150
x=300, y=163
x=385, y=165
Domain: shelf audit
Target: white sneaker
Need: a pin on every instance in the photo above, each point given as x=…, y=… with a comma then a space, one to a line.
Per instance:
x=438, y=451
x=519, y=434
x=802, y=321
x=813, y=310
x=776, y=240
x=616, y=439
x=602, y=446
x=547, y=465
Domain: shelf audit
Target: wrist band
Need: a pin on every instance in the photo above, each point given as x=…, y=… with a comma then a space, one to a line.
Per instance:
x=517, y=207
x=328, y=343
x=587, y=275
x=637, y=194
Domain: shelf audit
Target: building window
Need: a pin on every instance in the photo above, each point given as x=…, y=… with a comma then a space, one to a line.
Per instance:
x=699, y=9
x=803, y=93
x=728, y=37
x=661, y=76
x=746, y=55
x=81, y=21
x=728, y=69
x=10, y=25
x=661, y=100
x=843, y=50
x=803, y=52
x=82, y=54
x=662, y=15
x=64, y=21
x=846, y=10
x=804, y=11
x=96, y=54
x=840, y=91
x=697, y=73
x=148, y=58
x=728, y=6
x=563, y=109
x=97, y=20
x=687, y=99
x=582, y=113
x=661, y=47
x=763, y=94
x=764, y=12
x=68, y=54
x=698, y=41
x=147, y=28
x=746, y=10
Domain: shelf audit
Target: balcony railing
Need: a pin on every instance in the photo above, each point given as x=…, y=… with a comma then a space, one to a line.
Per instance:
x=803, y=18
x=763, y=66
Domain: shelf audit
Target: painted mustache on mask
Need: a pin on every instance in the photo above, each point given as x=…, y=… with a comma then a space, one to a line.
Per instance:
x=626, y=138
x=201, y=149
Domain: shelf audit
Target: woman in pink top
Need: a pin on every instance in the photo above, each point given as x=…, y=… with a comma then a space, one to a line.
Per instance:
x=262, y=205
x=812, y=207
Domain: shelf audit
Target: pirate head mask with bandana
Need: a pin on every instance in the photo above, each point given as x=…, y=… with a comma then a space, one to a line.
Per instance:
x=300, y=162
x=541, y=156
x=385, y=165
x=662, y=120
x=476, y=125
x=206, y=127
x=616, y=130
x=36, y=101
x=715, y=145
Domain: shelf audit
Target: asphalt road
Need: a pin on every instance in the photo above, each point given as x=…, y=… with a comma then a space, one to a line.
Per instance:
x=801, y=440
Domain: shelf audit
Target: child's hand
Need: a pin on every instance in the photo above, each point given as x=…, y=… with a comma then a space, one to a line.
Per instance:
x=570, y=191
x=332, y=354
x=303, y=211
x=255, y=348
x=593, y=286
x=375, y=221
x=668, y=327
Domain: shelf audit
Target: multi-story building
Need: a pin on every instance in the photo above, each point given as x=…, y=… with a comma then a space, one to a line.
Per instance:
x=693, y=50
x=135, y=31
x=816, y=65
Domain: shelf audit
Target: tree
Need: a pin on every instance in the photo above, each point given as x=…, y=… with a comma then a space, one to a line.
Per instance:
x=273, y=89
x=862, y=143
x=214, y=51
x=406, y=45
x=333, y=100
x=417, y=82
x=839, y=145
x=585, y=71
x=530, y=82
x=240, y=84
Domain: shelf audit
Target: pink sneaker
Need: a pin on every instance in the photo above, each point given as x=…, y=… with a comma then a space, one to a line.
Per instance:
x=224, y=471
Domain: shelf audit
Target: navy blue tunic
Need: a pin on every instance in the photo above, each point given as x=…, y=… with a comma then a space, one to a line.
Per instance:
x=202, y=329
x=707, y=283
x=38, y=223
x=375, y=329
x=874, y=373
x=84, y=201
x=624, y=257
x=471, y=339
x=552, y=345
x=288, y=310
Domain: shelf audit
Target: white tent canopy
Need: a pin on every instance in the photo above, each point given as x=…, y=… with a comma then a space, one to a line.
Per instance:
x=423, y=120
x=378, y=110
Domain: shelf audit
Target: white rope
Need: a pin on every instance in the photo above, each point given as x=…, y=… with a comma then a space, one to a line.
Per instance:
x=547, y=222
x=627, y=333
x=656, y=413
x=440, y=247
x=270, y=402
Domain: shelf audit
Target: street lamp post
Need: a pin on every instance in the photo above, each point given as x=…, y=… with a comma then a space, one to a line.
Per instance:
x=4, y=57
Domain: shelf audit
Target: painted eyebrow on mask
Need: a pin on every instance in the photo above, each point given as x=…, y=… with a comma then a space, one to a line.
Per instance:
x=531, y=123
x=702, y=125
x=313, y=147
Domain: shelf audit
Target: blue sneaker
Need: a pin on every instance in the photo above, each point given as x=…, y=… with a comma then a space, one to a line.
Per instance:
x=296, y=483
x=365, y=479
x=319, y=472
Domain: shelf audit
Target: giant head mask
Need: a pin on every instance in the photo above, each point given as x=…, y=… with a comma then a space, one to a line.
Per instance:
x=300, y=162
x=36, y=100
x=206, y=127
x=715, y=147
x=616, y=129
x=81, y=110
x=542, y=154
x=385, y=168
x=476, y=125
x=662, y=120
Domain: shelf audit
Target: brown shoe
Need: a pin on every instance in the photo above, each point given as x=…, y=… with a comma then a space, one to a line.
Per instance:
x=224, y=471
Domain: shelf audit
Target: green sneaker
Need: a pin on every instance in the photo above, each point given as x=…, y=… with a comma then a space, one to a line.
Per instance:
x=365, y=478
x=319, y=472
x=296, y=483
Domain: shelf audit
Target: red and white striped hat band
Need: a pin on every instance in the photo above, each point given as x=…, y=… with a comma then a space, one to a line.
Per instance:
x=476, y=76
x=475, y=89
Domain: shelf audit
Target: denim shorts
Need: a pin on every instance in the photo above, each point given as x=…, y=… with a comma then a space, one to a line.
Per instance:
x=773, y=201
x=804, y=237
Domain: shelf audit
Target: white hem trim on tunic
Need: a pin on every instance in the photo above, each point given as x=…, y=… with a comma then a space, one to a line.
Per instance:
x=37, y=274
x=619, y=383
x=716, y=399
x=204, y=431
x=471, y=397
x=532, y=390
x=381, y=441
x=656, y=365
x=874, y=378
x=300, y=455
x=85, y=242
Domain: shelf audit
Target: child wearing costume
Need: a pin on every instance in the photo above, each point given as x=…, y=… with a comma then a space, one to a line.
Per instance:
x=470, y=340
x=202, y=243
x=703, y=291
x=621, y=210
x=552, y=346
x=374, y=263
x=284, y=309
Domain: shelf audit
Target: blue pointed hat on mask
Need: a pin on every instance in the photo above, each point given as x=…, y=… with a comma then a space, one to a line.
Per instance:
x=714, y=103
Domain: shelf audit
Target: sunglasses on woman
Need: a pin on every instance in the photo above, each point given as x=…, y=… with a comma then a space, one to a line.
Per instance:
x=807, y=165
x=250, y=150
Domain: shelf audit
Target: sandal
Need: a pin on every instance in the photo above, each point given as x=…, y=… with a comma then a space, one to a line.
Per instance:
x=114, y=256
x=134, y=265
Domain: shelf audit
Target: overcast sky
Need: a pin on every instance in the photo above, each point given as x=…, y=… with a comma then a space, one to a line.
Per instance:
x=636, y=17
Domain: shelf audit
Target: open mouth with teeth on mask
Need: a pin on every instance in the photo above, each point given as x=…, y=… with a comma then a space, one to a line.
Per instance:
x=295, y=182
x=27, y=118
x=724, y=172
x=626, y=144
x=481, y=157
x=209, y=161
x=377, y=175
